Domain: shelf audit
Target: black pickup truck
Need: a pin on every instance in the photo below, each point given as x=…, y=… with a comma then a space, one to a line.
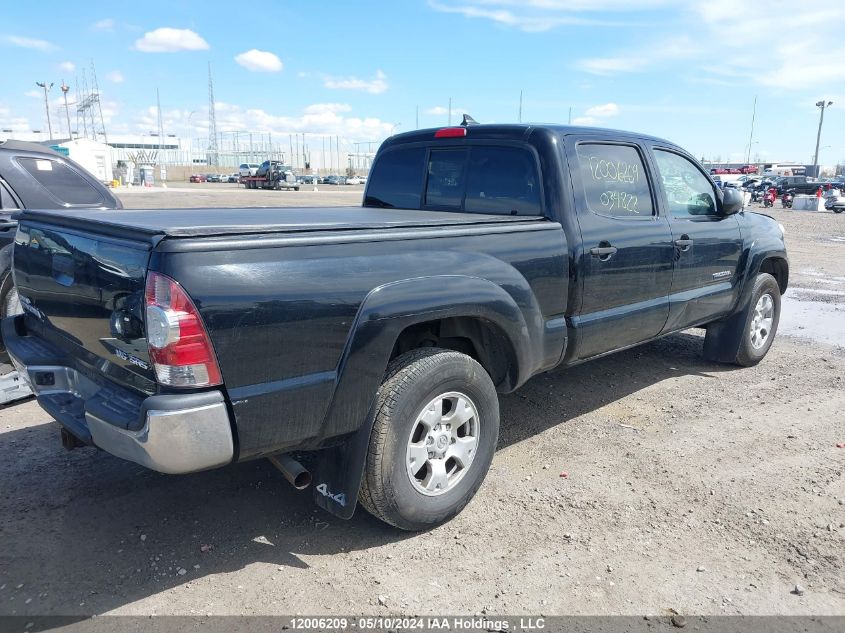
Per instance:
x=365, y=346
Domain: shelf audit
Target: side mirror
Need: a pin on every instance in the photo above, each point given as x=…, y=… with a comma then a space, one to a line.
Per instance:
x=731, y=201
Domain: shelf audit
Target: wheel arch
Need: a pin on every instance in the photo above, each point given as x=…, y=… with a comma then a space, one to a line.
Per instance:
x=461, y=312
x=777, y=267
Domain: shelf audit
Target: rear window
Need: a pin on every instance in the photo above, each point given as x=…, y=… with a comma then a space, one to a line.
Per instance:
x=446, y=178
x=64, y=183
x=397, y=178
x=473, y=179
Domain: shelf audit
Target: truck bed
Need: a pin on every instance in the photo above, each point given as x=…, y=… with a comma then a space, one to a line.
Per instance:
x=183, y=223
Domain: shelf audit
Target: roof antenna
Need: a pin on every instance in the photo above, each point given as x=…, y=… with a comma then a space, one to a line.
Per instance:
x=468, y=120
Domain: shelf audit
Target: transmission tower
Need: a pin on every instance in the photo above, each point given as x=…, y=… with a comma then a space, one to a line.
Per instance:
x=213, y=152
x=99, y=104
x=89, y=109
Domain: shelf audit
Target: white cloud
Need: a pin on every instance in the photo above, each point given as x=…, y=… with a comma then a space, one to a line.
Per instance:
x=595, y=115
x=33, y=93
x=724, y=31
x=544, y=15
x=259, y=61
x=376, y=85
x=442, y=110
x=68, y=67
x=602, y=111
x=28, y=42
x=329, y=119
x=115, y=76
x=9, y=121
x=645, y=57
x=106, y=24
x=320, y=108
x=170, y=40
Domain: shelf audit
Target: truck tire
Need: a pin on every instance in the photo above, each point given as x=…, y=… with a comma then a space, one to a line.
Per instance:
x=745, y=338
x=435, y=432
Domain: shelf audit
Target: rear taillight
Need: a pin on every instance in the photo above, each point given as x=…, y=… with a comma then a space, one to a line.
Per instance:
x=180, y=349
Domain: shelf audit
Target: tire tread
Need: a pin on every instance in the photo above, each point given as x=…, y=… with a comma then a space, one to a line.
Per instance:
x=401, y=374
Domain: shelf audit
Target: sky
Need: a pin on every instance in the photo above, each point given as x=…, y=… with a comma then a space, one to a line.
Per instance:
x=686, y=70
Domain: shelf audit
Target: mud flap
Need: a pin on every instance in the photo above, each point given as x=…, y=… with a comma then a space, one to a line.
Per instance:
x=339, y=470
x=724, y=338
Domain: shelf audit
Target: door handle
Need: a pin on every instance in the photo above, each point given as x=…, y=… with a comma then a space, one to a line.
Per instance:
x=604, y=251
x=683, y=243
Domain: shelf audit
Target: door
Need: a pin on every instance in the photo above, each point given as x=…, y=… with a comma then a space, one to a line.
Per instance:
x=708, y=245
x=626, y=254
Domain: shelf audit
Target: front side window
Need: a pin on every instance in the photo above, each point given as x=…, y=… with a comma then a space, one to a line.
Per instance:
x=64, y=183
x=614, y=180
x=688, y=191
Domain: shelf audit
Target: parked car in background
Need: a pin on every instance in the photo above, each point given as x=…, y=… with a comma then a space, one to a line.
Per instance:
x=212, y=177
x=336, y=180
x=354, y=180
x=34, y=176
x=236, y=177
x=197, y=178
x=248, y=169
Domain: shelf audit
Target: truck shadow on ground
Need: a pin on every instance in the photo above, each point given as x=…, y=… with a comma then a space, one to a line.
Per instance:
x=87, y=533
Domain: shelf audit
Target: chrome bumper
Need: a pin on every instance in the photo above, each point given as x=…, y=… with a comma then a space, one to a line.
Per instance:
x=171, y=440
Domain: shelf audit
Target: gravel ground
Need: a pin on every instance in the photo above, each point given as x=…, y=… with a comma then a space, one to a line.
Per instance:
x=690, y=486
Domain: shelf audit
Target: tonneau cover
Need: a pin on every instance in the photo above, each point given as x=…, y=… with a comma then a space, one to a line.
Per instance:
x=182, y=223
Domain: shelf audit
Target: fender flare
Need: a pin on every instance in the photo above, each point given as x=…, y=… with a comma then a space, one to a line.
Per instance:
x=725, y=336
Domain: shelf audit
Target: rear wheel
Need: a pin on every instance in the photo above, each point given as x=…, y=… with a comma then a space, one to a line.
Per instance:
x=435, y=432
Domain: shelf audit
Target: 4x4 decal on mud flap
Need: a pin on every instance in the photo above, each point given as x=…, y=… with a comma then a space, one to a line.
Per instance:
x=339, y=498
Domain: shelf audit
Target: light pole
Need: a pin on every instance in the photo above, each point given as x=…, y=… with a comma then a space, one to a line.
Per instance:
x=822, y=105
x=46, y=104
x=190, y=138
x=65, y=88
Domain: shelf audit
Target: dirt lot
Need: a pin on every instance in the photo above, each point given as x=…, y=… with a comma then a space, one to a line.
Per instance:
x=690, y=486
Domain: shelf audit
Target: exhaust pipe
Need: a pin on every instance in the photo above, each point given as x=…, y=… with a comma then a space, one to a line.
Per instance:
x=293, y=471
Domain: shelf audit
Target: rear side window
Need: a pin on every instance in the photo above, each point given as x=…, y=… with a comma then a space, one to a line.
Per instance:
x=502, y=180
x=614, y=180
x=397, y=179
x=63, y=182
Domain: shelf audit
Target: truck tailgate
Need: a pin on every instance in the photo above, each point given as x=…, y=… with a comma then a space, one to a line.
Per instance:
x=84, y=293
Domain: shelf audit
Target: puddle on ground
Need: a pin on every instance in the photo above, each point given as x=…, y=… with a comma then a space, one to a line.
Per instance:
x=821, y=322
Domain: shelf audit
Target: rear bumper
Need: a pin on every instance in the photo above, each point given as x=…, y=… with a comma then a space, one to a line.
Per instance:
x=178, y=433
